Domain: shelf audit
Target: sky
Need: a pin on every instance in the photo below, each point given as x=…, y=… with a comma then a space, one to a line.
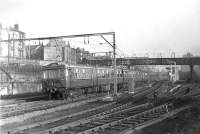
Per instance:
x=142, y=27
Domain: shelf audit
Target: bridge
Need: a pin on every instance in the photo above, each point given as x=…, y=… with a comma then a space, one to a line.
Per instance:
x=147, y=61
x=159, y=61
x=191, y=61
x=120, y=61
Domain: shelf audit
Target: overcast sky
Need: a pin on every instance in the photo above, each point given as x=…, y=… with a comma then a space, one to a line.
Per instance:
x=141, y=26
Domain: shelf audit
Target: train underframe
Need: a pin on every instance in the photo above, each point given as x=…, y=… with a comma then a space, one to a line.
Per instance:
x=57, y=90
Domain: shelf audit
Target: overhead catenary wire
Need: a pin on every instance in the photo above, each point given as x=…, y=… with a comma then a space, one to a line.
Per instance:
x=60, y=37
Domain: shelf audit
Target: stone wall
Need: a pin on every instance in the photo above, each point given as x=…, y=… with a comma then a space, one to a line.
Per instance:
x=26, y=87
x=21, y=79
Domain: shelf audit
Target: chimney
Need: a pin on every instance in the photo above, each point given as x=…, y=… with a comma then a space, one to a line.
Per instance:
x=16, y=27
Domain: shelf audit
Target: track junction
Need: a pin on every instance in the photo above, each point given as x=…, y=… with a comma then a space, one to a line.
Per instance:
x=126, y=114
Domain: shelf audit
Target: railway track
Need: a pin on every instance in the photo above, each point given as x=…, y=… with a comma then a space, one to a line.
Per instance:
x=105, y=120
x=137, y=121
x=29, y=113
x=124, y=122
x=55, y=116
x=27, y=107
x=18, y=107
x=10, y=102
x=83, y=116
x=7, y=105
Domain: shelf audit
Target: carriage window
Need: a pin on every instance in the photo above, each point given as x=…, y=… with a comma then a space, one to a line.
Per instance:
x=45, y=76
x=83, y=70
x=106, y=73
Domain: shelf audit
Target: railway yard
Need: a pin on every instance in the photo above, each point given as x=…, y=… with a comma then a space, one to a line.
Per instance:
x=60, y=89
x=126, y=114
x=61, y=74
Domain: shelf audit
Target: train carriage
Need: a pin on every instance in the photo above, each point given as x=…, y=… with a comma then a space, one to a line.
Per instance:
x=78, y=79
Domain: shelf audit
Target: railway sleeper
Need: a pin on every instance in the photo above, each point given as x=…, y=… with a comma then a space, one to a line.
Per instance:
x=98, y=122
x=123, y=115
x=133, y=112
x=159, y=113
x=121, y=125
x=130, y=123
x=119, y=117
x=101, y=132
x=147, y=118
x=94, y=124
x=117, y=114
x=141, y=120
x=108, y=120
x=116, y=118
x=163, y=112
x=78, y=129
x=112, y=130
x=134, y=121
x=151, y=116
x=91, y=126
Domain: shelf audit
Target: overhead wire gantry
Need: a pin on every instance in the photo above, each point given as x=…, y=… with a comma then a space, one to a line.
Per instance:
x=102, y=35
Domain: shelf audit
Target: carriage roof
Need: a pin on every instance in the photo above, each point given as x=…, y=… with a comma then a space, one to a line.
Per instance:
x=64, y=66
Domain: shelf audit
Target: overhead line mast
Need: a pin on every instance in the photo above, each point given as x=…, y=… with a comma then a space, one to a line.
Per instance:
x=60, y=37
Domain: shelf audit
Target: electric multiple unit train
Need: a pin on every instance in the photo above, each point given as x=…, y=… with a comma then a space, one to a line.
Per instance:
x=78, y=79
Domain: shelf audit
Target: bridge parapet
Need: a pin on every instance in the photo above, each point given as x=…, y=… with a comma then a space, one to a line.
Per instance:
x=160, y=61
